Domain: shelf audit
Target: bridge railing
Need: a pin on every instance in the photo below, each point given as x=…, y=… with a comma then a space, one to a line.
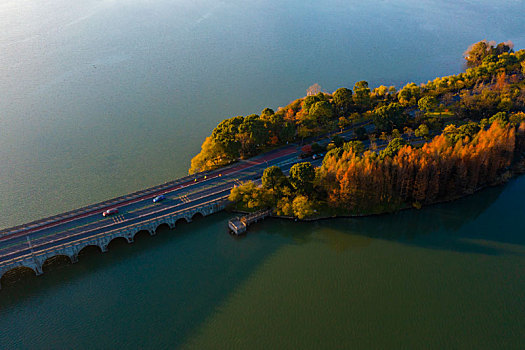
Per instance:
x=143, y=220
x=42, y=252
x=118, y=200
x=92, y=207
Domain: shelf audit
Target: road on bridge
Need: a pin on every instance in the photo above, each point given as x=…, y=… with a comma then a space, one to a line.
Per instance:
x=180, y=195
x=200, y=189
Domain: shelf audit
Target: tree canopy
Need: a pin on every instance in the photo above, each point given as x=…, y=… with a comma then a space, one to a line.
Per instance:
x=343, y=101
x=273, y=178
x=302, y=176
x=388, y=117
x=486, y=52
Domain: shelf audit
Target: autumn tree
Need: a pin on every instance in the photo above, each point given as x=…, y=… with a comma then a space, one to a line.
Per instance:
x=302, y=207
x=355, y=147
x=404, y=175
x=313, y=90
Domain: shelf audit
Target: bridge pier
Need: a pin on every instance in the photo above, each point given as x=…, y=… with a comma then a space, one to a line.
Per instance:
x=38, y=268
x=36, y=257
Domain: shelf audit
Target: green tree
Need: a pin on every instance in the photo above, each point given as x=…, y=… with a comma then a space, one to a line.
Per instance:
x=380, y=92
x=409, y=94
x=453, y=134
x=393, y=147
x=287, y=132
x=267, y=113
x=362, y=94
x=273, y=178
x=343, y=123
x=477, y=52
x=309, y=101
x=211, y=156
x=422, y=131
x=251, y=196
x=316, y=148
x=501, y=117
x=252, y=134
x=338, y=140
x=396, y=134
x=360, y=133
x=388, y=117
x=427, y=103
x=322, y=112
x=343, y=101
x=470, y=129
x=226, y=134
x=302, y=176
x=284, y=206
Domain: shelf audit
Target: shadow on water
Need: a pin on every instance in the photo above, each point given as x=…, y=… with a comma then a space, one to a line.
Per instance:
x=24, y=278
x=470, y=224
x=179, y=277
x=408, y=227
x=188, y=272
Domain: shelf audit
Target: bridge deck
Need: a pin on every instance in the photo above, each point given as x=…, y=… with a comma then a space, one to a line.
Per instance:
x=30, y=245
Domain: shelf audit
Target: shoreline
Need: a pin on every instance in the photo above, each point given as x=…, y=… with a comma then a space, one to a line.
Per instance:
x=515, y=173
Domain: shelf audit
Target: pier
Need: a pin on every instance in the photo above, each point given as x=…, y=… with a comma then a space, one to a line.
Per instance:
x=239, y=225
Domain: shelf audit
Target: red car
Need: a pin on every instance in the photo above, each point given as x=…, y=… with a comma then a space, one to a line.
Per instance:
x=110, y=212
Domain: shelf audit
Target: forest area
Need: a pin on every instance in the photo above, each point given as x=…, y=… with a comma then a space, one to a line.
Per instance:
x=472, y=124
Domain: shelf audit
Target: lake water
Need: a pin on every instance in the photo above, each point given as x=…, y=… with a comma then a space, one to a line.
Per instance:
x=101, y=98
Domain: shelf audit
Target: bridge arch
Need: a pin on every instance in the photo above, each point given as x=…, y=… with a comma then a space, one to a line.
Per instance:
x=15, y=274
x=197, y=215
x=164, y=226
x=181, y=221
x=88, y=249
x=141, y=234
x=55, y=261
x=117, y=241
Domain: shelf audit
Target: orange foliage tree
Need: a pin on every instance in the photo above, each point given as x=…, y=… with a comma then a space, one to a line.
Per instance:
x=440, y=170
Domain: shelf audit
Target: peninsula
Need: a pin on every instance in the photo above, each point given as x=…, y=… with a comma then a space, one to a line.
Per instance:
x=389, y=149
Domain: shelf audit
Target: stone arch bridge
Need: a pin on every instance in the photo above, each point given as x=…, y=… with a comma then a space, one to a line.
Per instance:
x=36, y=259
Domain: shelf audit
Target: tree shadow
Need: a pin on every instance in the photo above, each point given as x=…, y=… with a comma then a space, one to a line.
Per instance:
x=468, y=224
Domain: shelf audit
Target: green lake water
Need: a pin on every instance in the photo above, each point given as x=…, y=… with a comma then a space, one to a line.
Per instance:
x=101, y=98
